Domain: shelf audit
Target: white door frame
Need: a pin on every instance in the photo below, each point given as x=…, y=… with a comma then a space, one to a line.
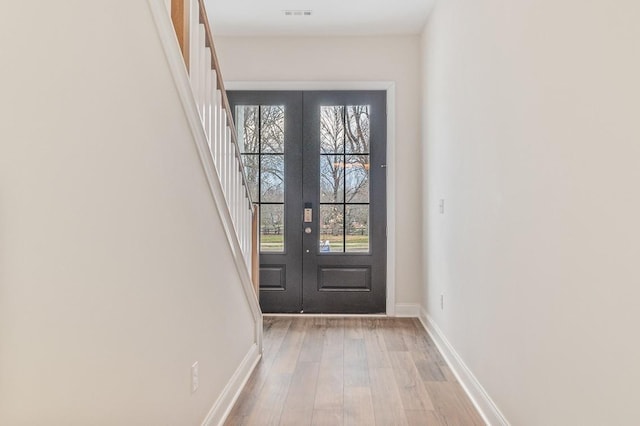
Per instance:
x=390, y=88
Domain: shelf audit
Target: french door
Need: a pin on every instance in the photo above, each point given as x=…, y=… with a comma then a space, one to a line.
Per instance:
x=316, y=165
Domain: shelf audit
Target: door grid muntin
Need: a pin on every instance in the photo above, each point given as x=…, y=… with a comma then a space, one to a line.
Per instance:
x=264, y=159
x=344, y=139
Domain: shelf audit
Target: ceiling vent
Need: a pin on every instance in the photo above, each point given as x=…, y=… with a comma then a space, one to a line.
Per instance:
x=297, y=13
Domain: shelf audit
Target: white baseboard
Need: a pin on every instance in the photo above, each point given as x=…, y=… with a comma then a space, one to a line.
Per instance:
x=221, y=409
x=479, y=397
x=408, y=310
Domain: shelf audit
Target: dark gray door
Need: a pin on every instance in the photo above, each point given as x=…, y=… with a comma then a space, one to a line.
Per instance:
x=316, y=162
x=269, y=126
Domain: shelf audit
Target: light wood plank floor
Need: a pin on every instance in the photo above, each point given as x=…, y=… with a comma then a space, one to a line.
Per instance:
x=351, y=371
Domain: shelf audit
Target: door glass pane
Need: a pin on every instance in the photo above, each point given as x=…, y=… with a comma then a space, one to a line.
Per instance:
x=272, y=227
x=332, y=129
x=272, y=178
x=357, y=228
x=261, y=140
x=358, y=129
x=344, y=178
x=357, y=178
x=247, y=127
x=331, y=228
x=331, y=178
x=251, y=164
x=272, y=129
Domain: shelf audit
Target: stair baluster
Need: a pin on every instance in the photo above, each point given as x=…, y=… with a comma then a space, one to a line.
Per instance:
x=196, y=43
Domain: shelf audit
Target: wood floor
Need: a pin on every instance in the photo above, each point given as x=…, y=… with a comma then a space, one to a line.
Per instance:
x=351, y=371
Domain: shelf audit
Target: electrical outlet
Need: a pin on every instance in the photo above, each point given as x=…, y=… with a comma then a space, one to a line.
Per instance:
x=195, y=378
x=442, y=206
x=442, y=301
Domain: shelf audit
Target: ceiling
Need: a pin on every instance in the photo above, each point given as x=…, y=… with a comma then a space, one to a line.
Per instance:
x=328, y=17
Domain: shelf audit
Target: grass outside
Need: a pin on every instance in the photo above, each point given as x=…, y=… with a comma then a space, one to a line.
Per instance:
x=354, y=243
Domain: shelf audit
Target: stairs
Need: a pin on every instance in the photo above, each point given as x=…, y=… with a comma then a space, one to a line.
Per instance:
x=193, y=35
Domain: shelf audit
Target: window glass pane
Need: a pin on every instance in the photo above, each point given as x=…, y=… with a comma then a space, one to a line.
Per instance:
x=250, y=162
x=357, y=178
x=357, y=231
x=272, y=128
x=272, y=227
x=331, y=178
x=357, y=139
x=272, y=178
x=332, y=129
x=247, y=127
x=331, y=229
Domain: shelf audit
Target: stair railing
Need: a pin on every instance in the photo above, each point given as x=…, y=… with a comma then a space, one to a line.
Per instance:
x=196, y=43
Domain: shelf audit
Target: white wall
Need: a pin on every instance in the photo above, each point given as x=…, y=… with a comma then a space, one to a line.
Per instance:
x=532, y=138
x=115, y=273
x=340, y=59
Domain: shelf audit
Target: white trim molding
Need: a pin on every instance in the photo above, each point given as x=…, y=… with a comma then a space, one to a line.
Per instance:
x=408, y=310
x=478, y=395
x=222, y=407
x=390, y=88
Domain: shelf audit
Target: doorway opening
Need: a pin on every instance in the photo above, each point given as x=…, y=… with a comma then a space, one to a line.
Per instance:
x=316, y=165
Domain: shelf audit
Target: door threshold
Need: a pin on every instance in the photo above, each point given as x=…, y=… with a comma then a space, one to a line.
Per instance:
x=327, y=315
